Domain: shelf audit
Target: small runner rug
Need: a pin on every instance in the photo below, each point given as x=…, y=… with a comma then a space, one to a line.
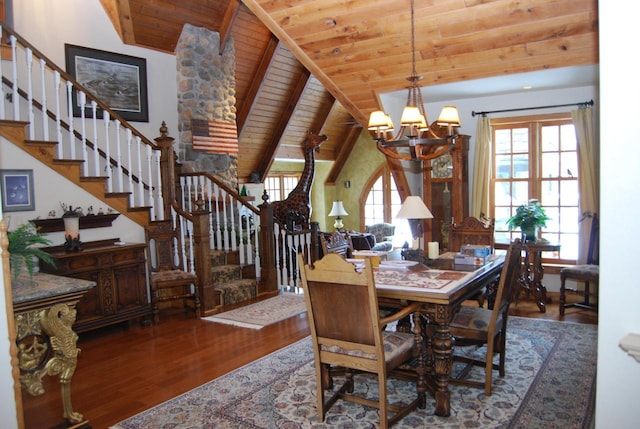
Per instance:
x=263, y=313
x=549, y=383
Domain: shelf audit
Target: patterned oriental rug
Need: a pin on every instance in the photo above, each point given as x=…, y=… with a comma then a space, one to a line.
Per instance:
x=263, y=313
x=549, y=383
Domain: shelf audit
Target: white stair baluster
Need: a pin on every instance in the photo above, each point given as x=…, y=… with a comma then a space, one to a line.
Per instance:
x=140, y=196
x=94, y=123
x=83, y=134
x=15, y=99
x=56, y=84
x=43, y=102
x=30, y=94
x=107, y=151
x=72, y=146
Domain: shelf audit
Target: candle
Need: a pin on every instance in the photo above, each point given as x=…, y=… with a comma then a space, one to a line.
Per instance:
x=434, y=250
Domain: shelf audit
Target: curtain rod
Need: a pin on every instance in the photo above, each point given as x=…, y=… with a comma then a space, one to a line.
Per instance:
x=583, y=104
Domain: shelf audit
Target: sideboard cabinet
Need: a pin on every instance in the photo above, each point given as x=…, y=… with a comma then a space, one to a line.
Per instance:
x=119, y=271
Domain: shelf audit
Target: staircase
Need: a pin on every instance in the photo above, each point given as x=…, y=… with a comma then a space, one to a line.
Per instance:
x=115, y=163
x=232, y=281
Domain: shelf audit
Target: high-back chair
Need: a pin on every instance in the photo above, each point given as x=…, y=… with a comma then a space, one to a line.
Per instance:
x=348, y=332
x=474, y=231
x=167, y=278
x=589, y=273
x=471, y=231
x=336, y=242
x=474, y=326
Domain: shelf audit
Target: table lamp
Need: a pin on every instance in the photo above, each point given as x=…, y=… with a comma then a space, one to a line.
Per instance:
x=338, y=211
x=414, y=208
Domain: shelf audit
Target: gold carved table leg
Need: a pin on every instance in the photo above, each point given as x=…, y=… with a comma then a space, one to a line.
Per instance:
x=57, y=356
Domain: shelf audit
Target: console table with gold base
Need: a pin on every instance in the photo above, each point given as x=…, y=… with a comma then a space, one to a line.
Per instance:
x=44, y=312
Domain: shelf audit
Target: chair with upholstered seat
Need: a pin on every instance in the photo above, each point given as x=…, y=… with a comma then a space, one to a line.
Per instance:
x=476, y=326
x=167, y=279
x=383, y=233
x=589, y=273
x=348, y=333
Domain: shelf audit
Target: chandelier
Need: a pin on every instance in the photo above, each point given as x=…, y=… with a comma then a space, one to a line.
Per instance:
x=422, y=142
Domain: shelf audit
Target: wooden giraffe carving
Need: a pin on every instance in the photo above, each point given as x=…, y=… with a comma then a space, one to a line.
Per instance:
x=296, y=209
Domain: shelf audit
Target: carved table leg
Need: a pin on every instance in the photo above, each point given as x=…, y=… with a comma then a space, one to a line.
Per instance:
x=421, y=385
x=540, y=290
x=57, y=322
x=442, y=344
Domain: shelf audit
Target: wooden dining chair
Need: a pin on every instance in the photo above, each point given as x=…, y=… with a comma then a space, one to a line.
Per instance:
x=474, y=231
x=347, y=332
x=167, y=279
x=471, y=231
x=589, y=273
x=475, y=326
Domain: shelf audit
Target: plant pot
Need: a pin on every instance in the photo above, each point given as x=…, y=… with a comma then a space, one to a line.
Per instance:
x=530, y=234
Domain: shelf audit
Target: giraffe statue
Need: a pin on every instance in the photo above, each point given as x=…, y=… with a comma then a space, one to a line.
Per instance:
x=296, y=208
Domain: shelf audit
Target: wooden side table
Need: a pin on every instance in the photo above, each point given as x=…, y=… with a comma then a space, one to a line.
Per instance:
x=44, y=309
x=533, y=271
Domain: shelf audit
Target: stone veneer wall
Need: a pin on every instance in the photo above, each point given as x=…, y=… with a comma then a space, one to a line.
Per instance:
x=206, y=90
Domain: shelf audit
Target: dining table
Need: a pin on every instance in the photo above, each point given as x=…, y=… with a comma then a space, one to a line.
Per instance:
x=441, y=286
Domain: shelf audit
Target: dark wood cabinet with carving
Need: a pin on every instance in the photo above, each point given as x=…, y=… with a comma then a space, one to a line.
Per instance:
x=120, y=275
x=446, y=190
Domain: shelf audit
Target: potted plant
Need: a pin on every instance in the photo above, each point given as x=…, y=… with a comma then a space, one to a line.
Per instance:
x=23, y=248
x=529, y=218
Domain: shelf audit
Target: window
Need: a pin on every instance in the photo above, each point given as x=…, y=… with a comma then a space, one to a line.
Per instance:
x=536, y=157
x=278, y=186
x=381, y=204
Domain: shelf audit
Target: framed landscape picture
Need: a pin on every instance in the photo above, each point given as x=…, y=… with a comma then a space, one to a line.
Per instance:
x=17, y=190
x=120, y=81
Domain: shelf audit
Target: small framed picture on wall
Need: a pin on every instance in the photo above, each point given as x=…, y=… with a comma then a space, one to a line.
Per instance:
x=17, y=190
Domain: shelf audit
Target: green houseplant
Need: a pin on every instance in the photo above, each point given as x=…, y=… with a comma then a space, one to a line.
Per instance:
x=529, y=218
x=23, y=248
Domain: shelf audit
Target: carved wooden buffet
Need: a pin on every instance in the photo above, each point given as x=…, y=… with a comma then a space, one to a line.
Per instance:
x=44, y=308
x=119, y=271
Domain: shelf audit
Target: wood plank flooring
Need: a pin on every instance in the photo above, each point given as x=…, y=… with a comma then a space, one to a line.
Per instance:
x=123, y=370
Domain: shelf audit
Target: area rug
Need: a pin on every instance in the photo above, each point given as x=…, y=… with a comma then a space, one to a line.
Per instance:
x=549, y=383
x=263, y=313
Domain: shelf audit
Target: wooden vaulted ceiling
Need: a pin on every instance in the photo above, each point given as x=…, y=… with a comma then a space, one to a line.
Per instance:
x=321, y=65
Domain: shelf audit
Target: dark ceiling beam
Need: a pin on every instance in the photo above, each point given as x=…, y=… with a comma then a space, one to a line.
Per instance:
x=258, y=79
x=272, y=147
x=119, y=13
x=227, y=23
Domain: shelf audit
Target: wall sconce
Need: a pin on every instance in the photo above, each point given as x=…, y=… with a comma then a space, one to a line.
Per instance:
x=71, y=221
x=347, y=184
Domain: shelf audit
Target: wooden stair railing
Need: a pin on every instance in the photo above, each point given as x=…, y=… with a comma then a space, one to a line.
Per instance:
x=110, y=152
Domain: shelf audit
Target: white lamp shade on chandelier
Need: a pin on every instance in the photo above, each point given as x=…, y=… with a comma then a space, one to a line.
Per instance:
x=414, y=122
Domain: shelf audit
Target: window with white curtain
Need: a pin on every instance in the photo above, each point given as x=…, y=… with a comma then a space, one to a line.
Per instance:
x=537, y=157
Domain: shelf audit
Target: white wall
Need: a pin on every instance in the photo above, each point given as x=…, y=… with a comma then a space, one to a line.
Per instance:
x=618, y=374
x=48, y=25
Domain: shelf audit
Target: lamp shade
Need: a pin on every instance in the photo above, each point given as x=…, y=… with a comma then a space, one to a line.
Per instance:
x=338, y=209
x=449, y=116
x=414, y=208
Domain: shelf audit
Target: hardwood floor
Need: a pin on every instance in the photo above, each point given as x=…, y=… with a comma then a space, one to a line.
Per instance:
x=123, y=370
